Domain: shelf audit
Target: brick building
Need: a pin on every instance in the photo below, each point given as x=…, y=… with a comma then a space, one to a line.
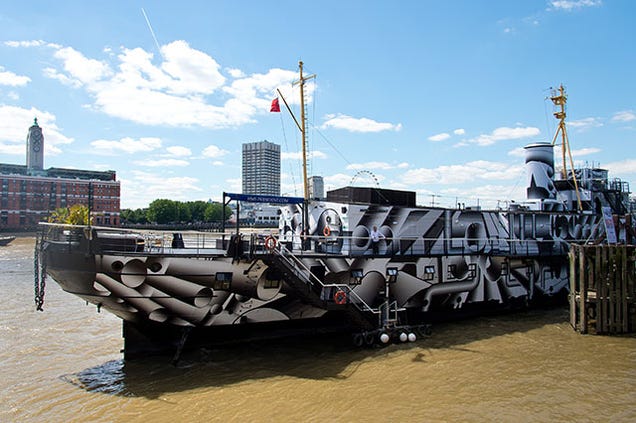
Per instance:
x=30, y=193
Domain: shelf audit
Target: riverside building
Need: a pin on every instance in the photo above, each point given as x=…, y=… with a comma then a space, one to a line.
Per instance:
x=30, y=193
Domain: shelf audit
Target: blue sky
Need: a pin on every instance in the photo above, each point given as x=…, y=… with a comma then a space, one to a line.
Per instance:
x=438, y=97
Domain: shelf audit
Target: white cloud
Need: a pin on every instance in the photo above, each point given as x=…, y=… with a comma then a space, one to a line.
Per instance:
x=15, y=123
x=298, y=155
x=83, y=70
x=569, y=5
x=371, y=165
x=624, y=116
x=191, y=70
x=504, y=133
x=32, y=43
x=12, y=149
x=233, y=185
x=52, y=73
x=521, y=152
x=255, y=93
x=11, y=79
x=352, y=124
x=586, y=123
x=627, y=166
x=487, y=196
x=235, y=73
x=439, y=137
x=445, y=135
x=517, y=152
x=213, y=152
x=144, y=187
x=167, y=163
x=179, y=151
x=182, y=87
x=102, y=166
x=338, y=180
x=126, y=145
x=585, y=151
x=458, y=174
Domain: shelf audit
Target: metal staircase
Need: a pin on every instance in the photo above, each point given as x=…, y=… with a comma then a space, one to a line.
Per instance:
x=319, y=294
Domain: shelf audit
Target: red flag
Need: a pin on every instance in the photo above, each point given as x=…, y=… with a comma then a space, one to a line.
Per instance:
x=275, y=106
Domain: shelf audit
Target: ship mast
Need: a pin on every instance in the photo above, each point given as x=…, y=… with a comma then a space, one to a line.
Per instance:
x=560, y=99
x=303, y=119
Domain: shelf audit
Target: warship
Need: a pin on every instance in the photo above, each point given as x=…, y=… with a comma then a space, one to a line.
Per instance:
x=367, y=262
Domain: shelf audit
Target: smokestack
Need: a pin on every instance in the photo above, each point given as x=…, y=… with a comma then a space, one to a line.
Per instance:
x=540, y=170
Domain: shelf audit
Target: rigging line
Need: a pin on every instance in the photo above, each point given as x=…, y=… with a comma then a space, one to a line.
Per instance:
x=331, y=145
x=512, y=190
x=344, y=158
x=313, y=118
x=548, y=129
x=291, y=170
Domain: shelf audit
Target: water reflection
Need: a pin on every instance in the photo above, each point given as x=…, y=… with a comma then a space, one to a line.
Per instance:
x=107, y=378
x=320, y=358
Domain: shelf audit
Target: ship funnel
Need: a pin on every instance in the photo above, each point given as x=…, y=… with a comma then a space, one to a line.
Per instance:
x=540, y=169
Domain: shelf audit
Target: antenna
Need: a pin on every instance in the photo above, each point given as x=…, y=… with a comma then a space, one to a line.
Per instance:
x=151, y=31
x=560, y=99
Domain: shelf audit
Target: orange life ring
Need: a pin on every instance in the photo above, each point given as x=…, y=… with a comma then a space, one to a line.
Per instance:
x=340, y=297
x=270, y=243
x=326, y=231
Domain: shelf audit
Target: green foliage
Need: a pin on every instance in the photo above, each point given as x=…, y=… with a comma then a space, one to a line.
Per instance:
x=59, y=215
x=164, y=211
x=183, y=212
x=133, y=216
x=214, y=212
x=197, y=210
x=77, y=214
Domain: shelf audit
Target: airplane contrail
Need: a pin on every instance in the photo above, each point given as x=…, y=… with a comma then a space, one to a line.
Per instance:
x=151, y=31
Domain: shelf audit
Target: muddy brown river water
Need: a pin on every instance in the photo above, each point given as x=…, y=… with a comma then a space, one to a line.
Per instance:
x=64, y=364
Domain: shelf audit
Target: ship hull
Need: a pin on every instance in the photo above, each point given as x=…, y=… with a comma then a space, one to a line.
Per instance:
x=431, y=263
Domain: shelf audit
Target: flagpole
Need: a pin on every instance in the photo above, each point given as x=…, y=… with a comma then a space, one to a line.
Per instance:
x=289, y=110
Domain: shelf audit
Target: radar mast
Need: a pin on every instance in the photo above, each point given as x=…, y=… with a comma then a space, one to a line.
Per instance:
x=560, y=99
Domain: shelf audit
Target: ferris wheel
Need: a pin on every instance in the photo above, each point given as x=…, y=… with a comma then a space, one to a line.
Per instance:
x=365, y=175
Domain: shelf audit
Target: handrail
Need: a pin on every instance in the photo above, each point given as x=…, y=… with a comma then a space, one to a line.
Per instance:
x=288, y=256
x=197, y=242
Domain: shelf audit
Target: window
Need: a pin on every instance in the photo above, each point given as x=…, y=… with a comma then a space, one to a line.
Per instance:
x=429, y=273
x=271, y=284
x=222, y=281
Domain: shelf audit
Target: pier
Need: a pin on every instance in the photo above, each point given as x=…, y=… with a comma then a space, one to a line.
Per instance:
x=603, y=288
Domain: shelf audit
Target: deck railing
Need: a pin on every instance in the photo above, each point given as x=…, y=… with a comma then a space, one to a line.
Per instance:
x=252, y=244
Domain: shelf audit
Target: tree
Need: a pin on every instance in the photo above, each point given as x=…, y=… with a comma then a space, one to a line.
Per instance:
x=162, y=211
x=133, y=216
x=214, y=212
x=197, y=210
x=183, y=212
x=77, y=214
x=59, y=215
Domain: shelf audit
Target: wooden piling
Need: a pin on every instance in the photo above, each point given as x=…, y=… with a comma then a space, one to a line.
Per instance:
x=603, y=288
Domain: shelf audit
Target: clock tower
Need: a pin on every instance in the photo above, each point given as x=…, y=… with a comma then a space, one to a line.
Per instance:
x=35, y=148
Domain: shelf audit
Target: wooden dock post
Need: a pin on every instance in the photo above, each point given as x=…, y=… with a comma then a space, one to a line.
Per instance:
x=603, y=288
